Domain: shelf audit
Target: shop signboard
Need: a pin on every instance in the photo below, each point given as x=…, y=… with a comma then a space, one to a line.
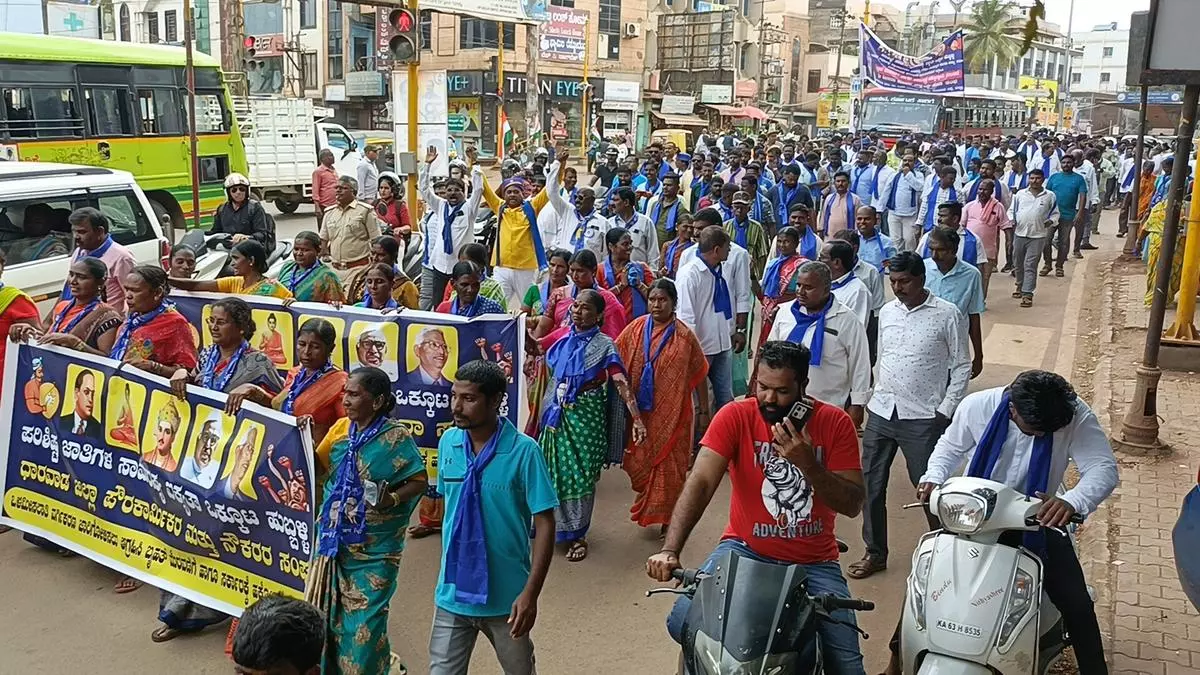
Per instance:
x=464, y=116
x=716, y=93
x=678, y=105
x=364, y=83
x=622, y=95
x=563, y=36
x=511, y=11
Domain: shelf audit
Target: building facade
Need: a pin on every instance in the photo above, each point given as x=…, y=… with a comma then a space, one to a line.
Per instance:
x=1101, y=65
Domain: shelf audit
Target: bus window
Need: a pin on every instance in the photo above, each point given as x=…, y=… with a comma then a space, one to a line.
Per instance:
x=18, y=110
x=210, y=114
x=159, y=112
x=214, y=169
x=107, y=112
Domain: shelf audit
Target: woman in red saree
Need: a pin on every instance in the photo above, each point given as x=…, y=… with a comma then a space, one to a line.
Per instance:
x=779, y=280
x=666, y=364
x=583, y=276
x=628, y=279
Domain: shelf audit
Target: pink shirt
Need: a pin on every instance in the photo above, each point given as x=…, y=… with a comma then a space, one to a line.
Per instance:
x=120, y=263
x=325, y=180
x=985, y=221
x=836, y=215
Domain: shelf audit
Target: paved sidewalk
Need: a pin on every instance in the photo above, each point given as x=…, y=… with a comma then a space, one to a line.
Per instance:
x=1149, y=624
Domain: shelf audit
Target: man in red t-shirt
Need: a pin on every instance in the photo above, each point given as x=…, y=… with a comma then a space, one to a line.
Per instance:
x=789, y=485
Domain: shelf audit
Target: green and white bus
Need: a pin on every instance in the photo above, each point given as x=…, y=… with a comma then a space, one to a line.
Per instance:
x=119, y=106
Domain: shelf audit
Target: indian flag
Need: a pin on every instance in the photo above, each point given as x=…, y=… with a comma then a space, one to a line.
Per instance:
x=507, y=137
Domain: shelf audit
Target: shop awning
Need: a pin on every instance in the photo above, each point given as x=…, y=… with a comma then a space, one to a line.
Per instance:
x=748, y=111
x=681, y=120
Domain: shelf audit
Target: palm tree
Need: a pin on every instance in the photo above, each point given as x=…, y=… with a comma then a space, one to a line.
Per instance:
x=992, y=36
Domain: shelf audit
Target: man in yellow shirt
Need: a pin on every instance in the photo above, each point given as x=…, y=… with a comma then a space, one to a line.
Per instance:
x=519, y=253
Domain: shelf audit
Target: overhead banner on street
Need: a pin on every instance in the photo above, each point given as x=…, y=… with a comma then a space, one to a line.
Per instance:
x=940, y=71
x=106, y=461
x=420, y=352
x=510, y=11
x=563, y=36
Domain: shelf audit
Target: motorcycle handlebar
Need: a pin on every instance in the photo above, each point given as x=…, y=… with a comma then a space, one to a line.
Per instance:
x=832, y=602
x=1077, y=519
x=685, y=576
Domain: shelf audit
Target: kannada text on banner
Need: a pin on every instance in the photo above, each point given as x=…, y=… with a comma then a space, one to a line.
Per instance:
x=103, y=459
x=420, y=352
x=940, y=71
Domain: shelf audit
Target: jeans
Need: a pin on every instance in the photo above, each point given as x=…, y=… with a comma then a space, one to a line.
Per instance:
x=453, y=639
x=433, y=287
x=1058, y=238
x=1025, y=253
x=1083, y=230
x=720, y=375
x=881, y=438
x=839, y=644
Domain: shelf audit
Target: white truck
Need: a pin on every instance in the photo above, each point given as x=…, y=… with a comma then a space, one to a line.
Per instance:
x=283, y=137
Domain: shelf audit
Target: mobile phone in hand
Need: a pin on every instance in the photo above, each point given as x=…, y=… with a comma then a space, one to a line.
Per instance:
x=800, y=412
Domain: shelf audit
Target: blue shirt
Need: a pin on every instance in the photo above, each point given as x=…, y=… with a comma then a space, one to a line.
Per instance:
x=962, y=286
x=1067, y=187
x=876, y=250
x=515, y=485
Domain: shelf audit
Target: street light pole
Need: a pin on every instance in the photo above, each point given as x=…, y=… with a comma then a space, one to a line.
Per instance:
x=837, y=70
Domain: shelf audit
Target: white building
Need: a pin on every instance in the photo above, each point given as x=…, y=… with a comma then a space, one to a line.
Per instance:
x=1101, y=68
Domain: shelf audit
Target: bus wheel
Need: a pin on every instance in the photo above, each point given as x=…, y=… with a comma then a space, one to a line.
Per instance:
x=286, y=206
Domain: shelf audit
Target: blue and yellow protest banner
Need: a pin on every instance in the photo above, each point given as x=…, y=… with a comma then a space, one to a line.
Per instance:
x=420, y=352
x=939, y=71
x=103, y=459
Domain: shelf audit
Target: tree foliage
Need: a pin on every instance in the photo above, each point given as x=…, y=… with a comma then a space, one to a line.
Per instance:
x=992, y=32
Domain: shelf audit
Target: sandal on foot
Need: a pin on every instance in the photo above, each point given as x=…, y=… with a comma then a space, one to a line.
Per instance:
x=1027, y=301
x=577, y=551
x=422, y=531
x=164, y=633
x=865, y=568
x=1017, y=293
x=1058, y=272
x=127, y=585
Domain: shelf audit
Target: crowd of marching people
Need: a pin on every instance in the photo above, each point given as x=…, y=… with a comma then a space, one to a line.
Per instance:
x=644, y=349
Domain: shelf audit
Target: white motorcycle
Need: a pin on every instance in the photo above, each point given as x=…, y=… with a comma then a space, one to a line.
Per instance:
x=973, y=605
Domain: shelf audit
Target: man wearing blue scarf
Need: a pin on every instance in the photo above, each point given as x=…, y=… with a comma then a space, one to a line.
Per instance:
x=489, y=581
x=1024, y=435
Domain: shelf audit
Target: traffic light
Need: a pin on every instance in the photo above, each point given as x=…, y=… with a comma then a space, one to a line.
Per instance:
x=406, y=38
x=248, y=43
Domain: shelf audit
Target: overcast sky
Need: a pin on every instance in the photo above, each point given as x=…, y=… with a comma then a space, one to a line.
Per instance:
x=1088, y=13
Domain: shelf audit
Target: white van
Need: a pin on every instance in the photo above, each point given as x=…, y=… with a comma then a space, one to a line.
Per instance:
x=35, y=200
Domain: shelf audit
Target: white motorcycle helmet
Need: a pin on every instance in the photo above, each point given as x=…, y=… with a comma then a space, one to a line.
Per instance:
x=235, y=179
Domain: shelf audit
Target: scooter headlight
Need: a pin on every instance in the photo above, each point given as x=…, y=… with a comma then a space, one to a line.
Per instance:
x=1020, y=599
x=920, y=579
x=961, y=513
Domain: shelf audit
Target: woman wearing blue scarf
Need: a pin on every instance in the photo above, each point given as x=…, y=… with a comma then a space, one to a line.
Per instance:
x=779, y=281
x=377, y=475
x=377, y=288
x=225, y=365
x=576, y=434
x=628, y=279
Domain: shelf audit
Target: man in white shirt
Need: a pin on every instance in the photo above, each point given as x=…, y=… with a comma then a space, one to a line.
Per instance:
x=1048, y=161
x=1126, y=175
x=940, y=192
x=839, y=371
x=1089, y=167
x=450, y=226
x=923, y=370
x=847, y=287
x=577, y=226
x=1033, y=212
x=641, y=229
x=900, y=198
x=1039, y=421
x=706, y=305
x=871, y=277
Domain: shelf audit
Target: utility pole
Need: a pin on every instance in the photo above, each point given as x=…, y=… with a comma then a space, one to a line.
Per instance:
x=500, y=117
x=533, y=111
x=1065, y=93
x=189, y=27
x=837, y=69
x=414, y=88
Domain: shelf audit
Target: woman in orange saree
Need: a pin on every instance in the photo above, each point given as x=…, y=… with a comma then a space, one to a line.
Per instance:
x=667, y=363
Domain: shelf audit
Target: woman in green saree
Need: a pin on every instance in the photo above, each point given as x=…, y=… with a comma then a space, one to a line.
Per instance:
x=309, y=279
x=377, y=477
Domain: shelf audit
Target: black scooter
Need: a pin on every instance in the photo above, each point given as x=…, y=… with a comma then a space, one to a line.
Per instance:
x=753, y=618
